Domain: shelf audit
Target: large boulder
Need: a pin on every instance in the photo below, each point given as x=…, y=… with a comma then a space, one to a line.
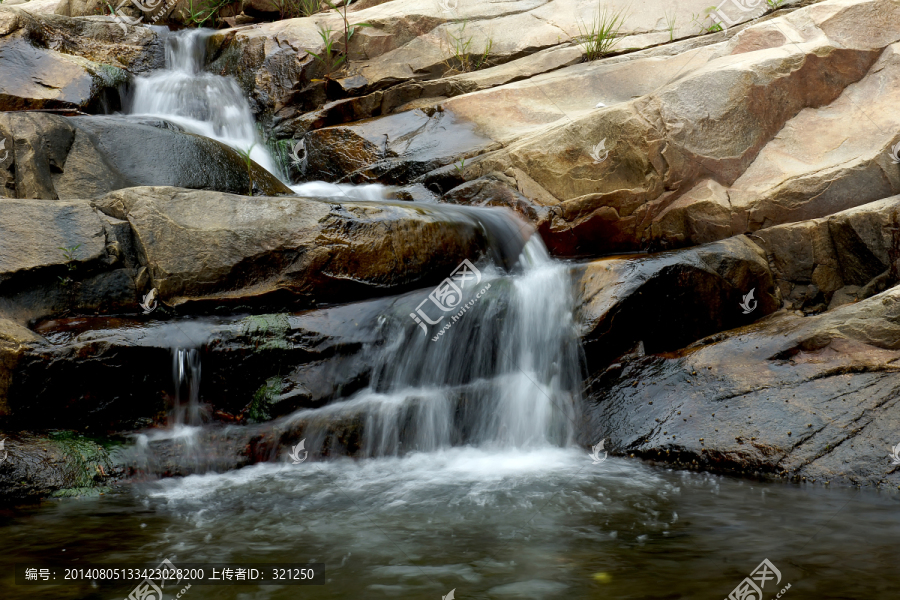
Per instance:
x=790, y=395
x=53, y=62
x=208, y=248
x=53, y=157
x=663, y=302
x=809, y=398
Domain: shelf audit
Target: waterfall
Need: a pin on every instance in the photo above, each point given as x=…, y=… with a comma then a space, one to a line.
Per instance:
x=505, y=373
x=186, y=377
x=198, y=101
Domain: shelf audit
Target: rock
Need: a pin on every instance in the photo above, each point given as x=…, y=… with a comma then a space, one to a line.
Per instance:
x=38, y=7
x=850, y=248
x=37, y=467
x=750, y=394
x=666, y=301
x=85, y=157
x=675, y=165
x=14, y=340
x=71, y=256
x=845, y=295
x=81, y=8
x=105, y=374
x=412, y=44
x=391, y=151
x=52, y=62
x=295, y=251
x=58, y=256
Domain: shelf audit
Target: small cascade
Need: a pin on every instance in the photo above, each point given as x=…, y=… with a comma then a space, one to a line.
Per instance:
x=186, y=377
x=200, y=102
x=505, y=374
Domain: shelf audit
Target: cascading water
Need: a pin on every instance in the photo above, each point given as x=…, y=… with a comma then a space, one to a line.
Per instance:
x=470, y=486
x=186, y=377
x=198, y=101
x=504, y=374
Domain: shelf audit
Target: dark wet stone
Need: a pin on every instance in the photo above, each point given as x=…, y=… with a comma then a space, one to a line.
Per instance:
x=799, y=397
x=33, y=467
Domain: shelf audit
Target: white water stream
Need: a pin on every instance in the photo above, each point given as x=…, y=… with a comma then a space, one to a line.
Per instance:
x=199, y=101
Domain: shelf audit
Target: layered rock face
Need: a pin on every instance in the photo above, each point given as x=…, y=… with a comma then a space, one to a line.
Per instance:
x=809, y=396
x=52, y=62
x=694, y=135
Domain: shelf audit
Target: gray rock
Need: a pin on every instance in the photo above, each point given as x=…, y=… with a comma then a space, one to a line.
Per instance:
x=54, y=157
x=812, y=398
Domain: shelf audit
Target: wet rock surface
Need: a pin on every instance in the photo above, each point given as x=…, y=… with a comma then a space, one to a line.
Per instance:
x=53, y=62
x=806, y=398
x=36, y=466
x=663, y=302
x=53, y=157
x=314, y=356
x=210, y=249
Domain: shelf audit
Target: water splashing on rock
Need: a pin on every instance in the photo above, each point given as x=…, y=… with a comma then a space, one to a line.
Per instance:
x=200, y=102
